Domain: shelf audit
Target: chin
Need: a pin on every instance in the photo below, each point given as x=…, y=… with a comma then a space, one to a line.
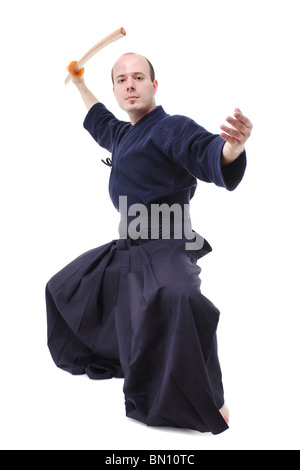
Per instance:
x=134, y=108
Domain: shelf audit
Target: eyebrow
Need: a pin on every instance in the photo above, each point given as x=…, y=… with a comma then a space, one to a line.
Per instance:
x=134, y=73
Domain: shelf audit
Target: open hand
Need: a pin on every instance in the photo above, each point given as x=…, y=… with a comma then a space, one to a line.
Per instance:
x=235, y=136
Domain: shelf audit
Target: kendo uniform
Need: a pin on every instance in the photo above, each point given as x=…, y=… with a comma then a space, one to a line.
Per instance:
x=133, y=308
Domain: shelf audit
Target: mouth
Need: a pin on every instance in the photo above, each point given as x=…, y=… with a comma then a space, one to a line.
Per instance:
x=132, y=97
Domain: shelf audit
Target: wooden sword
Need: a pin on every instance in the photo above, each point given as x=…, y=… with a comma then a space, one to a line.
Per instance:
x=76, y=69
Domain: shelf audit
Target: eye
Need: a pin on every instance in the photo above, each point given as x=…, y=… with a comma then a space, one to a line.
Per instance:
x=121, y=80
x=139, y=78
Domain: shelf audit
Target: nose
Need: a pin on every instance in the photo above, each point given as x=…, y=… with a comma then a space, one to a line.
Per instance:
x=130, y=84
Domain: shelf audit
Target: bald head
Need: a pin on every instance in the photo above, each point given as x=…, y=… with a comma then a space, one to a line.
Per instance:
x=149, y=65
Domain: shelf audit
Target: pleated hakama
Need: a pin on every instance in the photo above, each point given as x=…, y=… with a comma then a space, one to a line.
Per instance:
x=134, y=310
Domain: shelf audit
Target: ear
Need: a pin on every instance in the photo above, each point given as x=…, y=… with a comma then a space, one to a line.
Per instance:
x=155, y=86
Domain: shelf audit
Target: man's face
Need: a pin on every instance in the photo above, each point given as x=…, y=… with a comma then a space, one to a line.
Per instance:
x=133, y=88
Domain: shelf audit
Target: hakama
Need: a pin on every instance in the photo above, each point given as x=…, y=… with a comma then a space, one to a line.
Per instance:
x=135, y=310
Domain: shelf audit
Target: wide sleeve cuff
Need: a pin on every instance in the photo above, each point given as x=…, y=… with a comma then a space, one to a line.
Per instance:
x=102, y=125
x=89, y=120
x=234, y=172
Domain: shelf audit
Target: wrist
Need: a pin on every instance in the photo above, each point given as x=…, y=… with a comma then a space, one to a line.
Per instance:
x=79, y=82
x=229, y=154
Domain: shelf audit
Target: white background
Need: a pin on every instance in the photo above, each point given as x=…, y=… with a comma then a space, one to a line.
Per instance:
x=209, y=57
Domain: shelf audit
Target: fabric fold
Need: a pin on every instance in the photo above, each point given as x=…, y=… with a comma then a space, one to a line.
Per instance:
x=136, y=311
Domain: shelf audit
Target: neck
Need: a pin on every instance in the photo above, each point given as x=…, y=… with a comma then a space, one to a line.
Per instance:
x=138, y=115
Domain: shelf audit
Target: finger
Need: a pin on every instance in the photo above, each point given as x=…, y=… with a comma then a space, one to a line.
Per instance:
x=237, y=125
x=236, y=134
x=229, y=139
x=240, y=117
x=244, y=127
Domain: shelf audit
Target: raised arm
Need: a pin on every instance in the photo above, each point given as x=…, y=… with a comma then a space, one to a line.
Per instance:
x=103, y=126
x=89, y=99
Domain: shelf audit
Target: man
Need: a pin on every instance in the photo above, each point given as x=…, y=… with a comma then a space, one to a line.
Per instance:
x=133, y=308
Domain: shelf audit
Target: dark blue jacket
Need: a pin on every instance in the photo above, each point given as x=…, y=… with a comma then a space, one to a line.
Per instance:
x=160, y=158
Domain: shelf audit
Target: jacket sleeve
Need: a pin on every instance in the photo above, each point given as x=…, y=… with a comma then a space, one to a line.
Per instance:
x=103, y=126
x=200, y=153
